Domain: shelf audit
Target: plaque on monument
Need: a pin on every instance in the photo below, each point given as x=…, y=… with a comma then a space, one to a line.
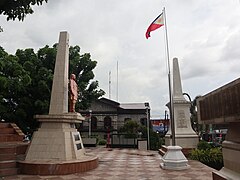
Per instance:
x=181, y=123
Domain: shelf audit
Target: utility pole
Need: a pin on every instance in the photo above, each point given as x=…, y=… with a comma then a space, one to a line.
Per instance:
x=109, y=88
x=90, y=123
x=148, y=118
x=117, y=81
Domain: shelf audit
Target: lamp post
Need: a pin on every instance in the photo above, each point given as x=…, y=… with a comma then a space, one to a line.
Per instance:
x=89, y=125
x=190, y=100
x=192, y=109
x=165, y=119
x=148, y=134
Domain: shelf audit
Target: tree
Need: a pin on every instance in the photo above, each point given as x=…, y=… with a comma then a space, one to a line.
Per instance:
x=18, y=8
x=132, y=130
x=82, y=66
x=26, y=82
x=194, y=118
x=130, y=127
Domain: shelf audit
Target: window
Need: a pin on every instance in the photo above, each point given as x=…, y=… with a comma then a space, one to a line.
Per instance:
x=94, y=122
x=107, y=122
x=143, y=121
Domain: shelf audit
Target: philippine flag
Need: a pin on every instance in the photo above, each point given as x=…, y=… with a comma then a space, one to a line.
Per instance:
x=157, y=23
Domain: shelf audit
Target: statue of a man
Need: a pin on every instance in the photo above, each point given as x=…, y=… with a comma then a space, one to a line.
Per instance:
x=73, y=88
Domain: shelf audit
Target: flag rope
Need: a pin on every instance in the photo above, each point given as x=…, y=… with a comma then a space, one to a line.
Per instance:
x=171, y=105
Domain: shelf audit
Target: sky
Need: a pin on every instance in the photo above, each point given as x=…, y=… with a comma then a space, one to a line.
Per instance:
x=203, y=34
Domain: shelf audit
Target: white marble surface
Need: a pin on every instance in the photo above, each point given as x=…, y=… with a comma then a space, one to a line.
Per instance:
x=59, y=93
x=185, y=136
x=174, y=159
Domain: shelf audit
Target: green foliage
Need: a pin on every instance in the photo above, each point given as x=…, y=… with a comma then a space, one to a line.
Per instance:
x=203, y=145
x=102, y=142
x=210, y=156
x=155, y=140
x=82, y=66
x=18, y=8
x=26, y=82
x=132, y=128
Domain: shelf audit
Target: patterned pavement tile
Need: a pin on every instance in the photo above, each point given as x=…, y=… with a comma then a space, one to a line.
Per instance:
x=129, y=164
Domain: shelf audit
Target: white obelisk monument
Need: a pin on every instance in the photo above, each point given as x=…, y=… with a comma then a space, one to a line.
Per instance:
x=184, y=134
x=174, y=158
x=57, y=148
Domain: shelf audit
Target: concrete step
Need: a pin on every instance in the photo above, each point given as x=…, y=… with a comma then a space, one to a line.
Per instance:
x=163, y=150
x=8, y=157
x=8, y=150
x=185, y=151
x=13, y=147
x=4, y=125
x=8, y=172
x=10, y=137
x=16, y=129
x=8, y=164
x=7, y=131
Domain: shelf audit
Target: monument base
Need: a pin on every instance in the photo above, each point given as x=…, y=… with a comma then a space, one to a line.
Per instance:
x=174, y=159
x=57, y=148
x=187, y=141
x=56, y=139
x=231, y=152
x=225, y=174
x=51, y=167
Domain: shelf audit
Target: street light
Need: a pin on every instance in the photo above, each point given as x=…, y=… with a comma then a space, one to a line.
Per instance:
x=190, y=100
x=89, y=125
x=148, y=136
x=165, y=119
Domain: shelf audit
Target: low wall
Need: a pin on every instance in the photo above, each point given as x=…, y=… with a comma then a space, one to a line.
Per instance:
x=89, y=141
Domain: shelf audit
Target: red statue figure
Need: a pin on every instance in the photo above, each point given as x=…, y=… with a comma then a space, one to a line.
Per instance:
x=73, y=92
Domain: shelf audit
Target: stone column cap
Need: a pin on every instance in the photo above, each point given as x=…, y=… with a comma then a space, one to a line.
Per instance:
x=70, y=117
x=174, y=147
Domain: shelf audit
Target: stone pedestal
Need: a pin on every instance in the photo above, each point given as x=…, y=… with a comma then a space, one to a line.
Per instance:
x=174, y=159
x=231, y=154
x=57, y=148
x=56, y=139
x=184, y=134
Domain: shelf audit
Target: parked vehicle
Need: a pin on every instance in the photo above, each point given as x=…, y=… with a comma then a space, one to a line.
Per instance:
x=215, y=137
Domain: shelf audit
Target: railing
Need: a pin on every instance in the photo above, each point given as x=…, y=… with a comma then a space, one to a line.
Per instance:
x=123, y=141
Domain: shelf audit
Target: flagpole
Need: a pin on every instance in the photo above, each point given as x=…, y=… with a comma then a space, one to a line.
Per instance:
x=171, y=107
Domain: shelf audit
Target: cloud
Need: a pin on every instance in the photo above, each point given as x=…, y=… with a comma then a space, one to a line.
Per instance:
x=203, y=35
x=229, y=51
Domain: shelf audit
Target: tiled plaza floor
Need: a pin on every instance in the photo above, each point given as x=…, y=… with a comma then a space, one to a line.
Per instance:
x=129, y=164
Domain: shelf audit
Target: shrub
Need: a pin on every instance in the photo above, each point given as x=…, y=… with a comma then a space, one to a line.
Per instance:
x=155, y=141
x=203, y=145
x=102, y=142
x=211, y=157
